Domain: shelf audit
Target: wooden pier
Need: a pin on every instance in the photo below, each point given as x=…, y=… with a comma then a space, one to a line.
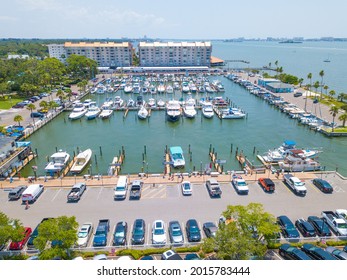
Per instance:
x=217, y=166
x=68, y=167
x=167, y=167
x=17, y=170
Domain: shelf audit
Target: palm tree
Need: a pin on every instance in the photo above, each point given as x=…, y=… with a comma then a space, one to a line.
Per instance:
x=321, y=74
x=52, y=105
x=43, y=105
x=3, y=130
x=309, y=76
x=332, y=93
x=300, y=81
x=326, y=89
x=18, y=119
x=343, y=118
x=342, y=96
x=31, y=107
x=333, y=111
x=316, y=86
x=60, y=94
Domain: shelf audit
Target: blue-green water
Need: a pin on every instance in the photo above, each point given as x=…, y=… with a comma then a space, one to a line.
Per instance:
x=265, y=128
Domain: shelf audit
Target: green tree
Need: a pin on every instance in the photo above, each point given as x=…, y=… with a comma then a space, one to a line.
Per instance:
x=326, y=87
x=300, y=81
x=316, y=86
x=43, y=105
x=343, y=118
x=52, y=105
x=31, y=107
x=321, y=74
x=28, y=89
x=10, y=229
x=81, y=67
x=309, y=76
x=342, y=96
x=60, y=94
x=18, y=119
x=333, y=111
x=4, y=88
x=53, y=68
x=63, y=231
x=332, y=93
x=245, y=234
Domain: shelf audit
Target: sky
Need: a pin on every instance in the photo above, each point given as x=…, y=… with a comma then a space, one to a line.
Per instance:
x=177, y=19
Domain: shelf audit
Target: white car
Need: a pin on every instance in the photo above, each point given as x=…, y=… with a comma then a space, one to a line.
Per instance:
x=158, y=233
x=84, y=233
x=187, y=188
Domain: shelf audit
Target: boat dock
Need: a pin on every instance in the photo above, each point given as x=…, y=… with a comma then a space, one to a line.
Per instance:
x=68, y=167
x=216, y=162
x=115, y=166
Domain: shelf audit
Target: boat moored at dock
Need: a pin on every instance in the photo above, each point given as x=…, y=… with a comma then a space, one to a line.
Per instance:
x=57, y=162
x=173, y=110
x=81, y=161
x=177, y=157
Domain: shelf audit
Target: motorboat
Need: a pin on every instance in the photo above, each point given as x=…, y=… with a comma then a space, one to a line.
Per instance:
x=192, y=88
x=176, y=86
x=106, y=112
x=142, y=113
x=108, y=103
x=151, y=103
x=92, y=112
x=152, y=89
x=161, y=88
x=57, y=162
x=78, y=112
x=201, y=89
x=177, y=157
x=161, y=103
x=130, y=103
x=136, y=88
x=118, y=102
x=87, y=103
x=207, y=110
x=139, y=101
x=169, y=89
x=128, y=88
x=185, y=87
x=173, y=110
x=144, y=90
x=189, y=110
x=295, y=163
x=232, y=113
x=81, y=161
x=219, y=102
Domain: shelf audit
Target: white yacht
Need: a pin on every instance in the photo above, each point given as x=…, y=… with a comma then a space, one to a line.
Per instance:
x=128, y=88
x=57, y=162
x=151, y=103
x=207, y=110
x=118, y=102
x=161, y=88
x=130, y=103
x=106, y=112
x=176, y=156
x=169, y=89
x=189, y=108
x=78, y=112
x=173, y=110
x=93, y=112
x=142, y=113
x=161, y=103
x=232, y=113
x=185, y=87
x=81, y=161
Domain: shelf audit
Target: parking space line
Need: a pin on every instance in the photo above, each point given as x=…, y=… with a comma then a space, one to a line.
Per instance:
x=101, y=189
x=55, y=196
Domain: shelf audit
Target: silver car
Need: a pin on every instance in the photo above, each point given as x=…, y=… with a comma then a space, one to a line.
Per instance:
x=84, y=234
x=175, y=233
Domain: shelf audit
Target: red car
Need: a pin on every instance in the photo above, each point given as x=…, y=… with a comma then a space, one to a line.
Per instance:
x=20, y=244
x=267, y=184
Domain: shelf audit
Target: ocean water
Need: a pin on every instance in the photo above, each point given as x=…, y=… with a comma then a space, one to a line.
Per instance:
x=296, y=59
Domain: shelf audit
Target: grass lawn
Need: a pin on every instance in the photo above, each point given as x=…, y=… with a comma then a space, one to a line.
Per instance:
x=7, y=103
x=338, y=130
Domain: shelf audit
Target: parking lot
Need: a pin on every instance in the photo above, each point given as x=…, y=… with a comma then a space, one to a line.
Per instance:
x=166, y=202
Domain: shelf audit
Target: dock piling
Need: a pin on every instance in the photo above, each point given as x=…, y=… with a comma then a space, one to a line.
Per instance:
x=100, y=150
x=231, y=148
x=37, y=154
x=254, y=150
x=145, y=150
x=96, y=161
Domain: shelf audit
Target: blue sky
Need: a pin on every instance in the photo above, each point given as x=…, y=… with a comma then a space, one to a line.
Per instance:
x=189, y=19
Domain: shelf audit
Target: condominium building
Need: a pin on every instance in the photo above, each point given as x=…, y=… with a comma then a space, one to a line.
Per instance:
x=175, y=53
x=108, y=54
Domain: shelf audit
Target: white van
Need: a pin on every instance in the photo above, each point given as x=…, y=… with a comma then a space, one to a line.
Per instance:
x=32, y=193
x=120, y=191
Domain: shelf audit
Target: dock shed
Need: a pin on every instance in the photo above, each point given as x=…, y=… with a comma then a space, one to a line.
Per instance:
x=279, y=87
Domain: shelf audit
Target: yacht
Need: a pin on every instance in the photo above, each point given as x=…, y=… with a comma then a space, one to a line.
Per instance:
x=185, y=87
x=142, y=113
x=189, y=109
x=118, y=102
x=161, y=88
x=173, y=110
x=232, y=113
x=106, y=112
x=81, y=161
x=139, y=101
x=152, y=89
x=78, y=112
x=294, y=162
x=57, y=162
x=169, y=89
x=207, y=110
x=144, y=90
x=192, y=88
x=151, y=103
x=128, y=88
x=176, y=157
x=130, y=103
x=161, y=103
x=93, y=112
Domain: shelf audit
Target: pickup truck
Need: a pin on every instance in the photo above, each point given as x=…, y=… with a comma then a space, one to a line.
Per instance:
x=239, y=184
x=135, y=190
x=76, y=192
x=295, y=184
x=213, y=187
x=336, y=223
x=100, y=236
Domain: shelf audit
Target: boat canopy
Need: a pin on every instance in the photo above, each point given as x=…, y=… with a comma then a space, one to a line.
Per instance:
x=289, y=143
x=176, y=150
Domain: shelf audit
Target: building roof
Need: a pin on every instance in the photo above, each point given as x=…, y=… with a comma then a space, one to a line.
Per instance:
x=95, y=44
x=216, y=60
x=175, y=44
x=280, y=85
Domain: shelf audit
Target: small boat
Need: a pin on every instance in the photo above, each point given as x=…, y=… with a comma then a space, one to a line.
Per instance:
x=144, y=90
x=169, y=89
x=173, y=110
x=152, y=89
x=232, y=113
x=130, y=103
x=192, y=88
x=207, y=110
x=136, y=88
x=81, y=161
x=161, y=88
x=201, y=89
x=151, y=103
x=139, y=101
x=78, y=112
x=93, y=112
x=128, y=88
x=176, y=157
x=118, y=102
x=326, y=60
x=189, y=110
x=185, y=87
x=57, y=162
x=161, y=103
x=106, y=112
x=142, y=113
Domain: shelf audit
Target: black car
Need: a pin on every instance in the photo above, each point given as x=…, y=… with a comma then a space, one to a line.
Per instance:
x=287, y=227
x=210, y=229
x=316, y=253
x=138, y=234
x=306, y=229
x=19, y=105
x=193, y=231
x=289, y=252
x=120, y=234
x=16, y=193
x=37, y=115
x=323, y=185
x=319, y=225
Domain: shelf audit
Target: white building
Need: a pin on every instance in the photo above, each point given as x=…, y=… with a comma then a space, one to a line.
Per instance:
x=107, y=54
x=175, y=53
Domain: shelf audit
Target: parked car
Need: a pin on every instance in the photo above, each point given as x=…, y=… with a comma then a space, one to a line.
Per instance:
x=76, y=192
x=170, y=255
x=16, y=192
x=138, y=233
x=192, y=257
x=147, y=258
x=187, y=188
x=319, y=225
x=34, y=234
x=323, y=185
x=193, y=231
x=317, y=253
x=267, y=184
x=100, y=257
x=287, y=227
x=37, y=115
x=19, y=105
x=84, y=234
x=337, y=253
x=210, y=229
x=175, y=233
x=158, y=233
x=20, y=244
x=306, y=229
x=289, y=252
x=120, y=234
